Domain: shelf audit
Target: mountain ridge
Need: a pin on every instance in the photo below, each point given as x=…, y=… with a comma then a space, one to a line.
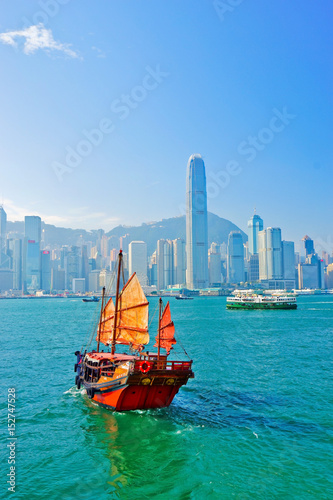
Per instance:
x=150, y=232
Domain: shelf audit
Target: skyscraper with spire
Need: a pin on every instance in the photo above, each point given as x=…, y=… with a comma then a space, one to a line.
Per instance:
x=196, y=224
x=255, y=225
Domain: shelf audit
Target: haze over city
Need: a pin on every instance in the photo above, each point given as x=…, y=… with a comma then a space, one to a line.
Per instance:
x=110, y=111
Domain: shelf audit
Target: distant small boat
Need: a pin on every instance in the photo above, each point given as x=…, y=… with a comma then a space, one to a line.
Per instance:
x=91, y=299
x=181, y=296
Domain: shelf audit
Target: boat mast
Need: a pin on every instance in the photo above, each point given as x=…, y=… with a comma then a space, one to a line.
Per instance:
x=113, y=345
x=159, y=328
x=100, y=319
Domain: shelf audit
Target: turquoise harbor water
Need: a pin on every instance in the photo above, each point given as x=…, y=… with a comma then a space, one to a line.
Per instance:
x=256, y=422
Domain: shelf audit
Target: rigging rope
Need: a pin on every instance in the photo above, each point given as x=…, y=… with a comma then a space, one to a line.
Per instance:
x=95, y=320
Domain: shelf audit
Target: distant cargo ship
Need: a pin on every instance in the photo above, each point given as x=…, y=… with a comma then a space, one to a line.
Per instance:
x=244, y=300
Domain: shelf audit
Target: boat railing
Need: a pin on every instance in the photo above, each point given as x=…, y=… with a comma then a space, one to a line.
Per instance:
x=166, y=365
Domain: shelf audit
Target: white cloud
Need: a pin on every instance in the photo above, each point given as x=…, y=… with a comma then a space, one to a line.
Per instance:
x=82, y=217
x=35, y=38
x=100, y=52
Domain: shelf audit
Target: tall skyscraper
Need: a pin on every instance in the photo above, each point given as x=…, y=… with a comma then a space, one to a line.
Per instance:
x=196, y=224
x=255, y=224
x=164, y=264
x=138, y=261
x=288, y=260
x=45, y=257
x=3, y=232
x=274, y=253
x=308, y=244
x=179, y=261
x=270, y=254
x=262, y=252
x=32, y=228
x=214, y=265
x=235, y=263
x=31, y=254
x=15, y=253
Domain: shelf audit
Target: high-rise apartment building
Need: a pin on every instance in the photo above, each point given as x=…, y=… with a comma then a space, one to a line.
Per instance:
x=196, y=224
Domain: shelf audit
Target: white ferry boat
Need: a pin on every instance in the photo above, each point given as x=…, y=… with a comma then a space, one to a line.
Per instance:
x=247, y=299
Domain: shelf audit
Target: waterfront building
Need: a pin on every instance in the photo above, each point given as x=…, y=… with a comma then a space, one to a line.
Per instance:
x=179, y=261
x=164, y=263
x=329, y=276
x=253, y=268
x=138, y=261
x=169, y=266
x=311, y=273
x=6, y=280
x=214, y=266
x=58, y=280
x=94, y=281
x=196, y=224
x=14, y=251
x=31, y=253
x=270, y=254
x=274, y=253
x=84, y=264
x=288, y=260
x=255, y=224
x=72, y=265
x=235, y=260
x=32, y=266
x=45, y=270
x=79, y=285
x=308, y=276
x=3, y=233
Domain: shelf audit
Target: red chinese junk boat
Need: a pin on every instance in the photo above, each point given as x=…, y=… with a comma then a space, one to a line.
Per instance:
x=140, y=380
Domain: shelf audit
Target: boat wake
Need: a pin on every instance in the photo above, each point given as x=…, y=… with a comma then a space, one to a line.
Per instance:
x=73, y=391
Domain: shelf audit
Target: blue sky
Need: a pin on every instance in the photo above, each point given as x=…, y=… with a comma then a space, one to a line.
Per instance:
x=202, y=77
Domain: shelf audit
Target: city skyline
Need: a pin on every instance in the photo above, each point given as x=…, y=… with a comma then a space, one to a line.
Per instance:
x=257, y=106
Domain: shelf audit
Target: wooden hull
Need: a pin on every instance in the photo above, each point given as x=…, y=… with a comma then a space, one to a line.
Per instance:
x=136, y=398
x=133, y=386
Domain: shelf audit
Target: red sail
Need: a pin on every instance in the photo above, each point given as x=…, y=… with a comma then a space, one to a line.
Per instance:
x=167, y=331
x=132, y=318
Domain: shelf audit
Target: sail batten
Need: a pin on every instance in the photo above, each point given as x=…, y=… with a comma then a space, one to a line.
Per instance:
x=132, y=317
